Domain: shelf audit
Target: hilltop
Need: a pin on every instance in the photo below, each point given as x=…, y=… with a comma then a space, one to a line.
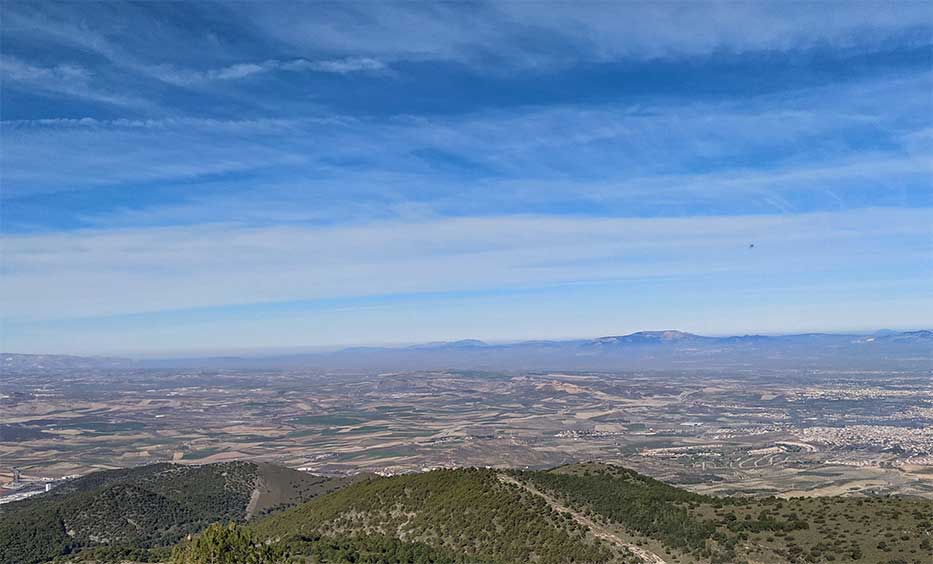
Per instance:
x=127, y=512
x=602, y=513
x=578, y=513
x=469, y=512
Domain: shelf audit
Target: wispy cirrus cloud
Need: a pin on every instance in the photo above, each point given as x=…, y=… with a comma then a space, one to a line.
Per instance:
x=364, y=37
x=233, y=264
x=338, y=66
x=835, y=185
x=73, y=79
x=482, y=33
x=245, y=70
x=606, y=155
x=62, y=79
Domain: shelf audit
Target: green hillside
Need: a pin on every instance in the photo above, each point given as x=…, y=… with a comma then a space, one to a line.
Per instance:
x=232, y=544
x=467, y=512
x=582, y=513
x=133, y=511
x=600, y=513
x=681, y=526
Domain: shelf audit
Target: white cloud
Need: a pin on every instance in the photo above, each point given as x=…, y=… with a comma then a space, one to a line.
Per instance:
x=101, y=35
x=338, y=66
x=601, y=153
x=93, y=273
x=566, y=32
x=62, y=79
x=186, y=77
x=365, y=37
x=14, y=69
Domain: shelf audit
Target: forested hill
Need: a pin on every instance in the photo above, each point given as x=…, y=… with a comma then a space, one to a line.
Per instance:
x=599, y=513
x=468, y=512
x=582, y=513
x=128, y=512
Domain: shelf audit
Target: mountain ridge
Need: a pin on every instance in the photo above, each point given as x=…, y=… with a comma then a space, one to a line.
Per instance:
x=147, y=507
x=641, y=348
x=582, y=512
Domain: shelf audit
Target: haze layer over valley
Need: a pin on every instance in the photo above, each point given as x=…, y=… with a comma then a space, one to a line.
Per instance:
x=769, y=415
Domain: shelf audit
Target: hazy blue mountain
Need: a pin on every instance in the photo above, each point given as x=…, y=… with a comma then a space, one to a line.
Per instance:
x=918, y=337
x=43, y=362
x=649, y=338
x=642, y=350
x=465, y=344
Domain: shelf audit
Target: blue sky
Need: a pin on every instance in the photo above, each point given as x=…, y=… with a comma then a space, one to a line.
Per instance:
x=243, y=177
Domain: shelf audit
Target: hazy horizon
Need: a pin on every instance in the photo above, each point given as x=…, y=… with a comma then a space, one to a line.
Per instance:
x=257, y=352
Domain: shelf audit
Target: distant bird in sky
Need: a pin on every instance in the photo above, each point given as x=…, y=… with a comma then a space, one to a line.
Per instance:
x=751, y=245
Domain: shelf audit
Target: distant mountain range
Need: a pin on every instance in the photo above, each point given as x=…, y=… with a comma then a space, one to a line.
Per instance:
x=657, y=349
x=50, y=362
x=642, y=350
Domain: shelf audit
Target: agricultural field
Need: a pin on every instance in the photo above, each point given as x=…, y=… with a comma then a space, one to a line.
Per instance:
x=786, y=433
